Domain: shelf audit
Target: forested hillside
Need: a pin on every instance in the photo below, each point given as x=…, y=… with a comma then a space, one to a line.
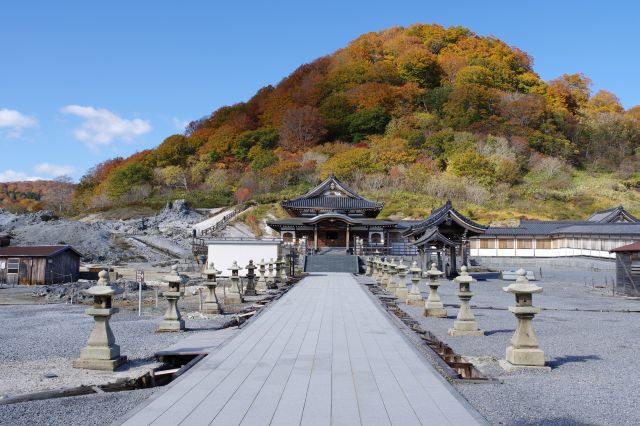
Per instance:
x=36, y=195
x=410, y=116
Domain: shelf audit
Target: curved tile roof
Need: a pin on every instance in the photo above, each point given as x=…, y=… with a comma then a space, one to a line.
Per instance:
x=614, y=214
x=443, y=213
x=332, y=194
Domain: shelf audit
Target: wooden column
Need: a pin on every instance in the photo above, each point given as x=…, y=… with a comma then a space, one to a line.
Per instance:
x=463, y=255
x=347, y=237
x=315, y=237
x=454, y=268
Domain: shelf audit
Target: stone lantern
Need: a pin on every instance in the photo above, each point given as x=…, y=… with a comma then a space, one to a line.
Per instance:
x=384, y=280
x=369, y=263
x=233, y=296
x=465, y=323
x=375, y=264
x=524, y=350
x=283, y=270
x=401, y=289
x=271, y=281
x=251, y=277
x=415, y=297
x=261, y=286
x=172, y=320
x=211, y=304
x=393, y=277
x=101, y=352
x=277, y=264
x=433, y=307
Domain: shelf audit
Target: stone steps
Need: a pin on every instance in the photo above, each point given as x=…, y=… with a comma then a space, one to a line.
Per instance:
x=343, y=263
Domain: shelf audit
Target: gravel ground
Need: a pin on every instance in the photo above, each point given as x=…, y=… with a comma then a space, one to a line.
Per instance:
x=40, y=339
x=87, y=410
x=593, y=355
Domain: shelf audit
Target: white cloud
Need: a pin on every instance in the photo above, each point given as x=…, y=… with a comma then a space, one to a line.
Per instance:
x=54, y=170
x=180, y=124
x=15, y=121
x=13, y=176
x=101, y=126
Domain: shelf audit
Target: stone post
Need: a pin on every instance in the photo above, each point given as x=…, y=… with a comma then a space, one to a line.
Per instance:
x=524, y=351
x=172, y=320
x=465, y=323
x=101, y=352
x=433, y=307
x=375, y=272
x=233, y=295
x=211, y=304
x=271, y=282
x=393, y=277
x=251, y=280
x=401, y=289
x=415, y=296
x=368, y=262
x=261, y=286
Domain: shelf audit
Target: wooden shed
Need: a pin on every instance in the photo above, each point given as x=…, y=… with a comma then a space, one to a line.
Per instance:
x=628, y=269
x=39, y=265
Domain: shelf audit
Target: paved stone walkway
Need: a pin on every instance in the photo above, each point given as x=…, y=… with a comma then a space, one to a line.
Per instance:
x=324, y=354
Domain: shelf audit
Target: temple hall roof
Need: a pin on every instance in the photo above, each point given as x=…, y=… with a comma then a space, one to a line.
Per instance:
x=444, y=214
x=332, y=195
x=614, y=214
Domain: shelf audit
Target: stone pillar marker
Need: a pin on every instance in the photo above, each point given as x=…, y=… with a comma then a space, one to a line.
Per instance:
x=376, y=269
x=172, y=320
x=211, y=304
x=393, y=277
x=465, y=323
x=233, y=295
x=415, y=296
x=261, y=286
x=524, y=351
x=401, y=289
x=369, y=263
x=251, y=277
x=271, y=282
x=101, y=352
x=433, y=307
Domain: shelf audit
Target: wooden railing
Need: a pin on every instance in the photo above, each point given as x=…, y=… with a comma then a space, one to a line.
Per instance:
x=222, y=223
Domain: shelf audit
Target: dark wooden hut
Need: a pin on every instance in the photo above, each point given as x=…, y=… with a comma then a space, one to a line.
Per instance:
x=628, y=269
x=39, y=265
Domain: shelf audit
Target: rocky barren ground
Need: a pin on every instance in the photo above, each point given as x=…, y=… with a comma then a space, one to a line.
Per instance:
x=164, y=236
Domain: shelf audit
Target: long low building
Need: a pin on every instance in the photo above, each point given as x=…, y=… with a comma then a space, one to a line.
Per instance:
x=594, y=237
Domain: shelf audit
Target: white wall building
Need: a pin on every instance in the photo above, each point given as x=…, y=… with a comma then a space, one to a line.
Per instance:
x=595, y=237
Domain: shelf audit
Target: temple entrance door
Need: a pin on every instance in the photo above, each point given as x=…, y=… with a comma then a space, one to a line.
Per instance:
x=333, y=238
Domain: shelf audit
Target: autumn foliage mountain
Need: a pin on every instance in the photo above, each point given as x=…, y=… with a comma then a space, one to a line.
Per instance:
x=36, y=195
x=425, y=111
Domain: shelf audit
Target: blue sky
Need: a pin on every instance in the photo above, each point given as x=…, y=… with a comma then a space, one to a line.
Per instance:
x=82, y=81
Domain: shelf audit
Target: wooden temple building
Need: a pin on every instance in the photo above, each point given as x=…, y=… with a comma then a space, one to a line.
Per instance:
x=333, y=218
x=332, y=215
